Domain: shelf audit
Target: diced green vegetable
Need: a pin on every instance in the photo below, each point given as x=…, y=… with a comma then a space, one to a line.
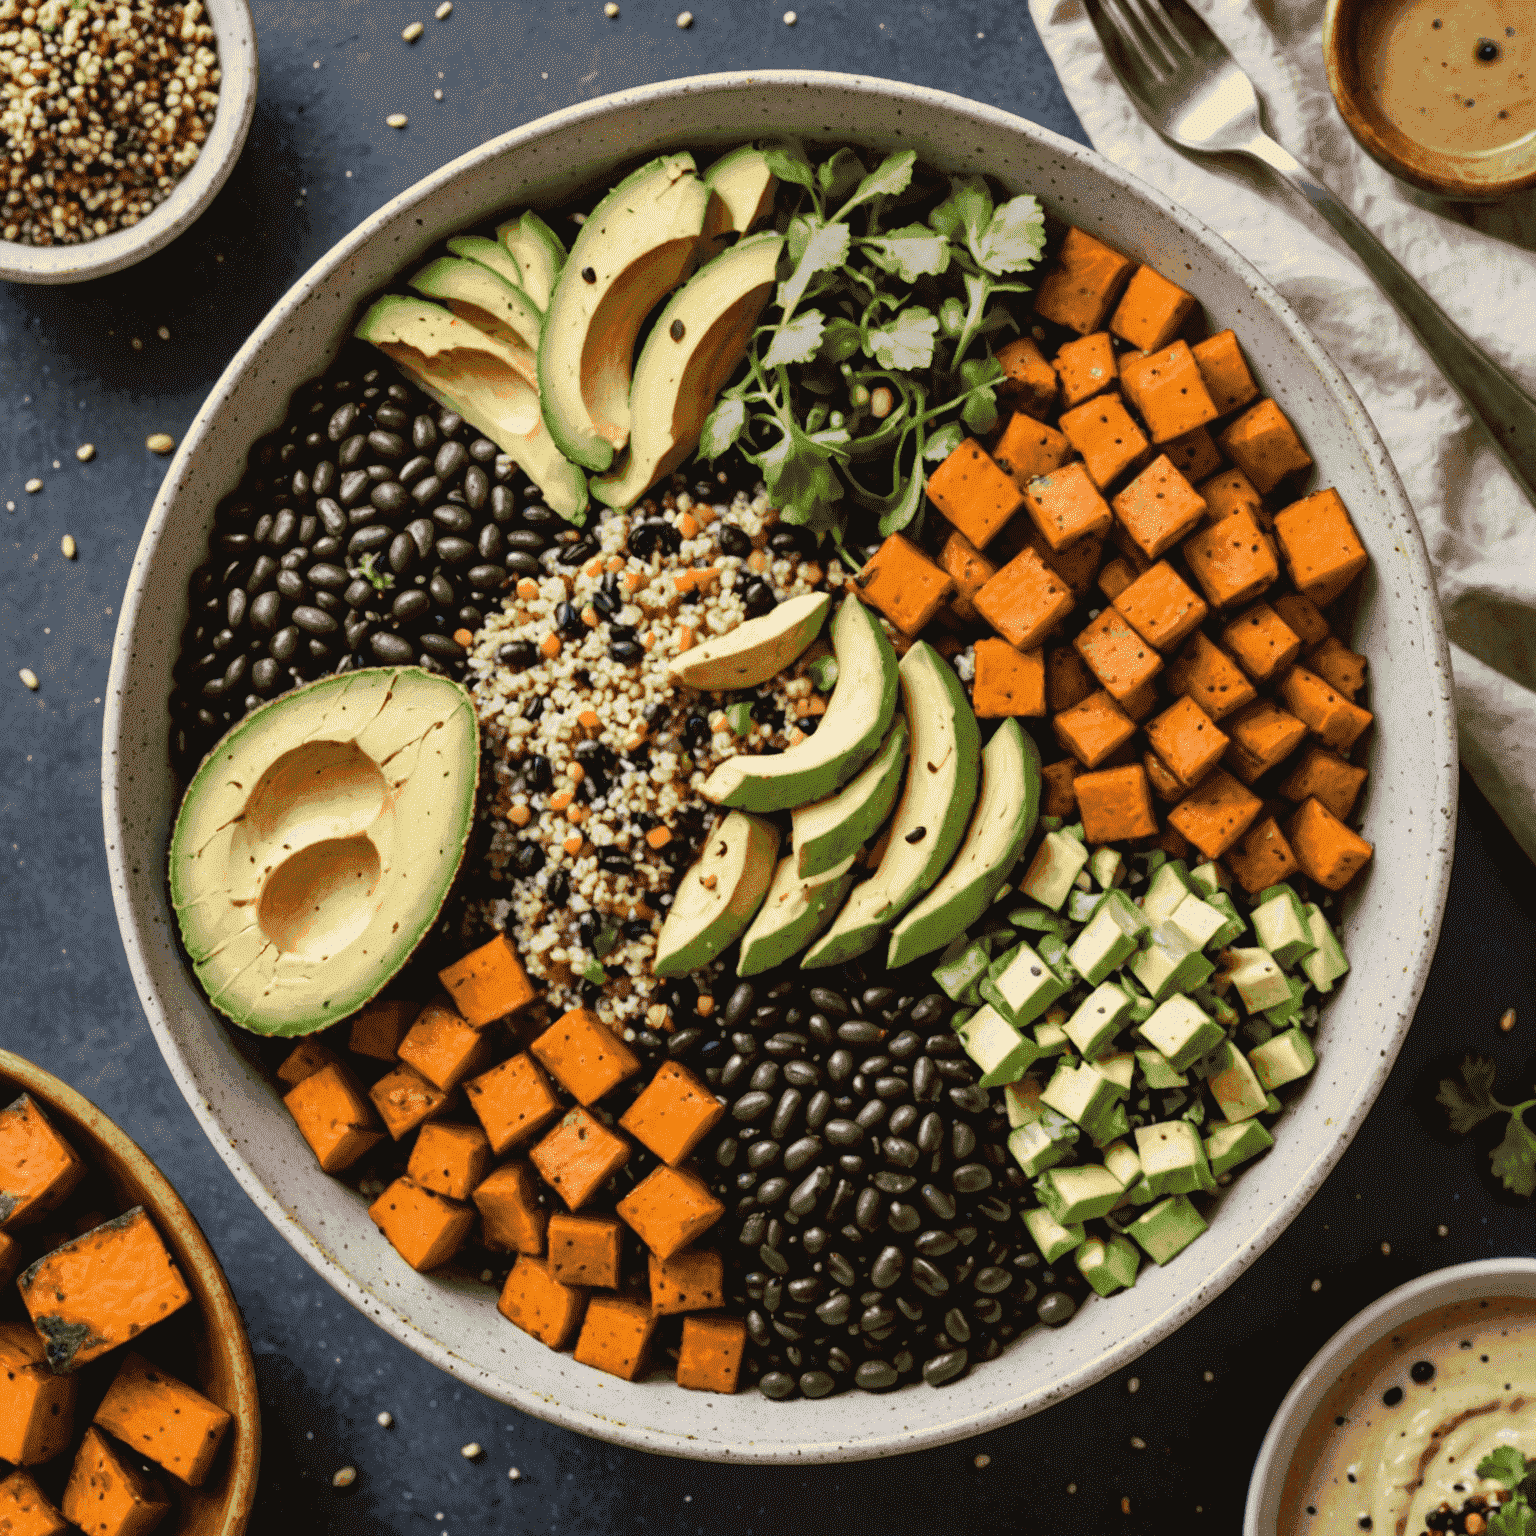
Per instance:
x=1280, y=925
x=1169, y=963
x=1173, y=1158
x=1259, y=981
x=1158, y=1070
x=1197, y=920
x=1081, y=1193
x=1166, y=889
x=1107, y=867
x=1229, y=1145
x=1182, y=1031
x=1326, y=964
x=1080, y=1092
x=1233, y=1084
x=1054, y=868
x=1023, y=988
x=963, y=964
x=1167, y=1228
x=1282, y=1060
x=997, y=1047
x=1108, y=1265
x=1043, y=1142
x=1208, y=878
x=1052, y=1239
x=1098, y=1019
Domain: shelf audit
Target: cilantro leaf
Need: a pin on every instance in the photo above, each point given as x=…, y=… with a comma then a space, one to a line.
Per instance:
x=1013, y=239
x=1473, y=1103
x=888, y=179
x=965, y=213
x=796, y=342
x=797, y=474
x=721, y=428
x=840, y=340
x=905, y=342
x=979, y=412
x=908, y=253
x=788, y=163
x=826, y=248
x=1504, y=1464
x=899, y=516
x=1515, y=1518
x=944, y=442
x=836, y=177
x=1514, y=1159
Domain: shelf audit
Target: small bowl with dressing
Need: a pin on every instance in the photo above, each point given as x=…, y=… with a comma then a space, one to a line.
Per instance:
x=1440, y=92
x=1392, y=1416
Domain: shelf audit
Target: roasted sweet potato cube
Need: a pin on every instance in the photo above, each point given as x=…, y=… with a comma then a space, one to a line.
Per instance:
x=1327, y=850
x=404, y=1099
x=304, y=1060
x=1326, y=777
x=1115, y=805
x=488, y=983
x=690, y=1281
x=513, y=1101
x=1166, y=388
x=1161, y=607
x=1025, y=601
x=1166, y=785
x=1008, y=682
x=1127, y=548
x=38, y=1168
x=668, y=1209
x=1068, y=680
x=973, y=494
x=581, y=1053
x=378, y=1030
x=1029, y=448
x=579, y=1156
x=709, y=1359
x=673, y=1113
x=1110, y=442
x=533, y=1300
x=10, y=1258
x=101, y=1289
x=1232, y=560
x=1090, y=731
x=1205, y=673
x=1261, y=857
x=1077, y=564
x=1065, y=506
x=616, y=1336
x=1081, y=289
x=1187, y=741
x=1057, y=795
x=1323, y=709
x=1086, y=367
x=426, y=1229
x=163, y=1420
x=450, y=1159
x=1303, y=616
x=37, y=1408
x=1264, y=445
x=904, y=584
x=1216, y=812
x=1263, y=735
x=107, y=1495
x=333, y=1116
x=444, y=1047
x=1029, y=381
x=969, y=569
x=1151, y=310
x=1229, y=491
x=1115, y=576
x=510, y=1213
x=1120, y=659
x=1262, y=641
x=1141, y=702
x=25, y=1510
x=1224, y=371
x=585, y=1250
x=1194, y=454
x=1335, y=663
x=1322, y=551
x=1158, y=508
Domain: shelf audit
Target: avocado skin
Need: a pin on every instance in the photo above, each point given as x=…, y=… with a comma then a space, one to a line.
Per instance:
x=769, y=942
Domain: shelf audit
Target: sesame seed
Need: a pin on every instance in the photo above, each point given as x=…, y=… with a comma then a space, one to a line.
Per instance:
x=1317, y=1285
x=344, y=1478
x=1137, y=1443
x=1386, y=1249
x=514, y=1475
x=444, y=11
x=34, y=485
x=1134, y=1384
x=413, y=31
x=1442, y=1230
x=437, y=95
x=790, y=18
x=981, y=1461
x=1208, y=1375
x=69, y=547
x=610, y=10
x=29, y=678
x=386, y=1420
x=160, y=442
x=1507, y=1022
x=85, y=452
x=684, y=20
x=397, y=120
x=164, y=333
x=472, y=1452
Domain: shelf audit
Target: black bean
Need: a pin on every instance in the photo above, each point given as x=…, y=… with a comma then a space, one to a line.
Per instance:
x=834, y=1004
x=876, y=1317
x=477, y=488
x=968, y=1178
x=776, y=1384
x=893, y=1183
x=772, y=1259
x=801, y=1152
x=327, y=577
x=440, y=647
x=871, y=1115
x=787, y=1112
x=340, y=424
x=387, y=445
x=486, y=578
x=928, y=1277
x=369, y=541
x=452, y=519
x=483, y=450
x=765, y=1076
x=414, y=469
x=757, y=1327
x=234, y=607
x=841, y=1271
x=987, y=1310
x=1055, y=1308
x=970, y=1100
x=264, y=675
x=902, y=1217
x=762, y=1154
x=285, y=528
x=867, y=1210
x=427, y=490
x=875, y=1375
x=858, y=1032
x=945, y=1368
x=441, y=590
x=284, y=643
x=962, y=1140
x=899, y=1152
x=410, y=605
x=851, y=1163
x=814, y=1383
x=393, y=650
x=352, y=452
x=389, y=415
x=817, y=1111
x=452, y=460
x=836, y=1309
x=809, y=1191
x=314, y=621
x=771, y=1191
x=646, y=537
x=452, y=550
x=503, y=507
x=424, y=434
x=803, y=1074
x=738, y=1005
x=992, y=1280
x=894, y=1087
x=751, y=1107
x=354, y=486
x=733, y=541
x=390, y=497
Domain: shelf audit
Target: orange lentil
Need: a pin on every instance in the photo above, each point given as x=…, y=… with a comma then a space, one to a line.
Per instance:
x=589, y=616
x=576, y=773
x=802, y=709
x=463, y=637
x=705, y=1005
x=687, y=525
x=796, y=736
x=527, y=588
x=575, y=813
x=709, y=881
x=561, y=799
x=758, y=560
x=818, y=704
x=549, y=646
x=648, y=640
x=572, y=845
x=588, y=718
x=685, y=639
x=634, y=580
x=658, y=837
x=520, y=815
x=615, y=562
x=706, y=515
x=811, y=573
x=593, y=567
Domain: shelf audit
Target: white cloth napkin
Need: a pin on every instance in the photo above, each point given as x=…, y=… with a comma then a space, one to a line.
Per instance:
x=1479, y=528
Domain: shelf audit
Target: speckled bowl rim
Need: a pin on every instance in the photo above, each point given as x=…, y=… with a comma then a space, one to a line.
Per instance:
x=1412, y=1300
x=673, y=1421
x=235, y=29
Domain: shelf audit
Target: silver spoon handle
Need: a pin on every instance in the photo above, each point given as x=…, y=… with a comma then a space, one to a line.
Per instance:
x=1488, y=391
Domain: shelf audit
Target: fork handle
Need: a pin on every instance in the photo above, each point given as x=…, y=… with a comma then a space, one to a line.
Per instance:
x=1508, y=413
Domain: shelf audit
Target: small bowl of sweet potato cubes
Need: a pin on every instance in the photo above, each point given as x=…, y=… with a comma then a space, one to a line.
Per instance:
x=127, y=1390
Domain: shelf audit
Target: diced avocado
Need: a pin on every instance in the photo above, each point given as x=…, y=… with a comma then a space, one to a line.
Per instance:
x=1121, y=1160
x=1236, y=924
x=964, y=964
x=1024, y=988
x=1206, y=879
x=793, y=912
x=1043, y=1143
x=1173, y=1158
x=1002, y=1053
x=1229, y=1145
x=538, y=252
x=1112, y=1123
x=1081, y=904
x=1282, y=1060
x=1142, y=1006
x=1081, y=1193
x=1052, y=1038
x=1052, y=1239
x=1237, y=1091
x=1271, y=891
x=743, y=188
x=1282, y=1014
x=755, y=650
x=1182, y=1030
x=1168, y=1227
x=1108, y=1264
x=1280, y=925
x=1021, y=1099
x=1107, y=866
x=1165, y=890
x=1327, y=963
x=843, y=822
x=1053, y=869
x=1170, y=963
x=1120, y=1069
x=1080, y=1092
x=1198, y=920
x=1038, y=920
x=718, y=894
x=1098, y=1019
x=1158, y=1070
x=1259, y=981
x=1052, y=948
x=1108, y=938
x=489, y=302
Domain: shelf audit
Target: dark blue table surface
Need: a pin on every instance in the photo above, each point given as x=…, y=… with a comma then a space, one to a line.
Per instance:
x=1165, y=1446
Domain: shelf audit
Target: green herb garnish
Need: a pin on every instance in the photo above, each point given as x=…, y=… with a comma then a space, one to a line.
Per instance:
x=380, y=581
x=1471, y=1101
x=1515, y=1517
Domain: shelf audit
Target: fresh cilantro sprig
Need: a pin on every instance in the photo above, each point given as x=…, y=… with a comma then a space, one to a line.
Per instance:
x=1470, y=1101
x=874, y=356
x=1514, y=1517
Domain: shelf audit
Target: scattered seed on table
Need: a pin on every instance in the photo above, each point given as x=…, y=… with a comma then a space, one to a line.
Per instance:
x=10, y=506
x=1137, y=1443
x=160, y=442
x=1125, y=1506
x=34, y=485
x=981, y=1461
x=29, y=677
x=444, y=11
x=790, y=18
x=611, y=10
x=1071, y=1487
x=472, y=1452
x=1442, y=1230
x=86, y=452
x=1134, y=1384
x=413, y=31
x=1386, y=1249
x=1317, y=1285
x=137, y=343
x=437, y=95
x=164, y=333
x=344, y=1478
x=1208, y=1375
x=68, y=545
x=396, y=120
x=684, y=20
x=386, y=1420
x=1507, y=1023
x=515, y=1476
x=57, y=465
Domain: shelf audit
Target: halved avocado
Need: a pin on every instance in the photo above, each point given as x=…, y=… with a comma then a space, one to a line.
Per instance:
x=539, y=255
x=317, y=842
x=754, y=651
x=489, y=253
x=636, y=246
x=475, y=375
x=931, y=818
x=718, y=894
x=744, y=187
x=1006, y=811
x=695, y=346
x=793, y=912
x=855, y=722
x=834, y=829
x=489, y=302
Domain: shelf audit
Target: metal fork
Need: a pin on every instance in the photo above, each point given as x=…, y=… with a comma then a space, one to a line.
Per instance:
x=1190, y=88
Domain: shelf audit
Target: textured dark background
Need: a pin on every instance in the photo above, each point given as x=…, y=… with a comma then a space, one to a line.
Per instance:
x=1178, y=1447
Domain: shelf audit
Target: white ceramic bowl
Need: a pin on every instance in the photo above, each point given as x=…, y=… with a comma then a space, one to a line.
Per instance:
x=1390, y=931
x=236, y=35
x=1484, y=1279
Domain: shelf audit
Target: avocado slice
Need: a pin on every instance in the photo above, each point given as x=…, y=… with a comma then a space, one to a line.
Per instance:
x=794, y=911
x=489, y=253
x=696, y=344
x=744, y=188
x=475, y=375
x=834, y=829
x=317, y=842
x=636, y=246
x=719, y=894
x=856, y=719
x=538, y=252
x=754, y=651
x=489, y=302
x=930, y=820
x=1004, y=820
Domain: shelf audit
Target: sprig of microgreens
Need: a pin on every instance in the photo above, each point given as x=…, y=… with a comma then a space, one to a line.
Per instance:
x=1515, y=1516
x=864, y=307
x=1471, y=1101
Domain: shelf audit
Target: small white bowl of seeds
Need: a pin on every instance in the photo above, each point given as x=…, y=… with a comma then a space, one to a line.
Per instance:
x=129, y=118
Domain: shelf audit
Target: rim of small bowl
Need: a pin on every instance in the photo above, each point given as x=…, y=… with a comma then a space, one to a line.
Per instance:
x=235, y=29
x=1411, y=1300
x=883, y=1439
